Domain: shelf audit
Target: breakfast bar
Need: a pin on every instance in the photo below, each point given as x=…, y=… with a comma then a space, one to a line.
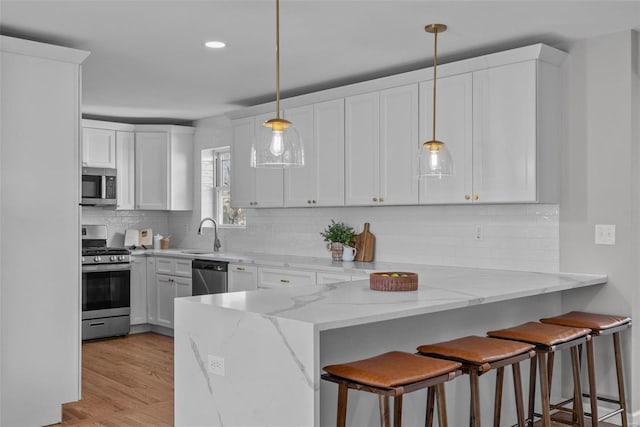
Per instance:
x=255, y=358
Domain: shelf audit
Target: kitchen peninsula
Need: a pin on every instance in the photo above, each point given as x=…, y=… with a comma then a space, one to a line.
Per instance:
x=255, y=358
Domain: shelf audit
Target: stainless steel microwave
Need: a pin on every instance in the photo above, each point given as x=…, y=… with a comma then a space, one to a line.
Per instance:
x=98, y=187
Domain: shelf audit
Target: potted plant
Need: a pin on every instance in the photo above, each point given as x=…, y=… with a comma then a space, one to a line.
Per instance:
x=338, y=234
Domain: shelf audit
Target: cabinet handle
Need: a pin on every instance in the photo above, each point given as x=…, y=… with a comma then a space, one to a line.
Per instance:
x=239, y=268
x=467, y=197
x=284, y=280
x=475, y=197
x=381, y=199
x=375, y=199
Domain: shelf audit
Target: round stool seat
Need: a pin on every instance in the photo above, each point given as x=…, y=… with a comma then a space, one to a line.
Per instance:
x=540, y=333
x=481, y=351
x=392, y=369
x=580, y=319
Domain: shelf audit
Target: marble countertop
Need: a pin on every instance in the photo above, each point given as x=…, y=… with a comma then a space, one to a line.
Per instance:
x=353, y=303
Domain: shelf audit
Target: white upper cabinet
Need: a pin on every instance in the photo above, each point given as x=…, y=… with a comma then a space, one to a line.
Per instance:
x=320, y=182
x=98, y=148
x=164, y=167
x=504, y=133
x=381, y=146
x=253, y=187
x=454, y=127
x=126, y=170
x=362, y=149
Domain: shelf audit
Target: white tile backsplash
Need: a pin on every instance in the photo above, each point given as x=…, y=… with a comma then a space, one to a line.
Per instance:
x=118, y=221
x=516, y=237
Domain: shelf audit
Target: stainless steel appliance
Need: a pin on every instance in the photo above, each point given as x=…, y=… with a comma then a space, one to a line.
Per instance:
x=208, y=277
x=106, y=285
x=98, y=187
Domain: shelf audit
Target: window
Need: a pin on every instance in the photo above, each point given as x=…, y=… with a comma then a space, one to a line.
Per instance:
x=216, y=188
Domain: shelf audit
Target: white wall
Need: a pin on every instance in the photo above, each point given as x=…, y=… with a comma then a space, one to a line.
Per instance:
x=600, y=186
x=39, y=196
x=519, y=237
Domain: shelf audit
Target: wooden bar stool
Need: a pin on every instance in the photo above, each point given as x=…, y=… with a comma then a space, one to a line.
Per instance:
x=478, y=356
x=600, y=324
x=548, y=339
x=393, y=374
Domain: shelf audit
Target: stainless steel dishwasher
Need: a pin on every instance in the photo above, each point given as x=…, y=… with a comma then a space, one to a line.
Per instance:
x=209, y=277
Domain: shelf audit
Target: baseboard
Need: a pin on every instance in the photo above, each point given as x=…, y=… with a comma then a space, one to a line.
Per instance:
x=635, y=419
x=162, y=330
x=139, y=329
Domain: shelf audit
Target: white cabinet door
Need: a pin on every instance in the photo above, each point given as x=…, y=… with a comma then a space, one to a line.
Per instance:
x=152, y=292
x=329, y=153
x=362, y=136
x=151, y=170
x=399, y=145
x=300, y=183
x=269, y=182
x=138, y=290
x=454, y=126
x=243, y=179
x=182, y=287
x=242, y=277
x=165, y=292
x=98, y=148
x=125, y=166
x=504, y=133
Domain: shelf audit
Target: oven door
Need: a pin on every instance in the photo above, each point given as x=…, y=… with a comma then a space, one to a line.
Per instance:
x=106, y=290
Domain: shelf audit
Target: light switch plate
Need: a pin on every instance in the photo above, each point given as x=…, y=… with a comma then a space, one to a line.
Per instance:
x=605, y=234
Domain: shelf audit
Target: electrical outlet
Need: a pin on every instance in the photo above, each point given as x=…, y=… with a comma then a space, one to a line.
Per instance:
x=605, y=234
x=478, y=235
x=216, y=365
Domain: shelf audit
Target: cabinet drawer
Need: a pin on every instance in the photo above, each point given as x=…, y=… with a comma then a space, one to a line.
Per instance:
x=242, y=277
x=272, y=277
x=176, y=266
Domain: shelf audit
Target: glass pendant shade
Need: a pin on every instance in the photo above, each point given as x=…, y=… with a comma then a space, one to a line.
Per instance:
x=434, y=160
x=278, y=145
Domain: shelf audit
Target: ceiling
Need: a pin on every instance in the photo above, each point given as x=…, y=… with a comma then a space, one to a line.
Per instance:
x=148, y=62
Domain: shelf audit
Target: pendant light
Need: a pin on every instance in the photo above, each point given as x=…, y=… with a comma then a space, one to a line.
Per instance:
x=278, y=143
x=433, y=157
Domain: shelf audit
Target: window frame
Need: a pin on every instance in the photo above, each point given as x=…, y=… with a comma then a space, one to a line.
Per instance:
x=218, y=190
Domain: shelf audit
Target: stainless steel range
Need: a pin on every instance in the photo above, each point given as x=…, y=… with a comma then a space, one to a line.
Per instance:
x=106, y=292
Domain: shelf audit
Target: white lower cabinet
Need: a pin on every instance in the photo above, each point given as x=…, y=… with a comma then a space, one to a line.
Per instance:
x=277, y=277
x=168, y=288
x=138, y=284
x=152, y=303
x=242, y=277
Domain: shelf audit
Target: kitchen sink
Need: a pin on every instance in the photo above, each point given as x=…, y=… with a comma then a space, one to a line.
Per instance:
x=197, y=252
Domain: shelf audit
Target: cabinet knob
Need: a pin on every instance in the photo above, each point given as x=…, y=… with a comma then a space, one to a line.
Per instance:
x=467, y=197
x=475, y=197
x=308, y=202
x=255, y=203
x=381, y=199
x=284, y=280
x=313, y=201
x=375, y=199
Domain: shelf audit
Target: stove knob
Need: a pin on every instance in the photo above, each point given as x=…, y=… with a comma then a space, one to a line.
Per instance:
x=82, y=261
x=113, y=258
x=97, y=259
x=120, y=257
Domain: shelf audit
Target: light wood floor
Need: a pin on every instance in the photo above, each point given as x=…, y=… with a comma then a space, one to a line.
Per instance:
x=125, y=382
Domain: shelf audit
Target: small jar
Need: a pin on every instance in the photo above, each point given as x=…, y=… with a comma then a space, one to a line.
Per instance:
x=156, y=241
x=164, y=243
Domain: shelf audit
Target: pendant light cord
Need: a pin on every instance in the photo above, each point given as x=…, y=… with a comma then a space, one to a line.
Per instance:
x=435, y=66
x=278, y=59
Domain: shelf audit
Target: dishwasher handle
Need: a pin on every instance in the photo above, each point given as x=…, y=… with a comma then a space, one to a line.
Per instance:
x=205, y=264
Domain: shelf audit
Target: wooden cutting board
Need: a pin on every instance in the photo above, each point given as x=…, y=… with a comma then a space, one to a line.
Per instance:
x=365, y=245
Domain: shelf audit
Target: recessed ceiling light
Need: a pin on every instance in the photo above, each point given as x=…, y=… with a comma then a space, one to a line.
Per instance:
x=215, y=44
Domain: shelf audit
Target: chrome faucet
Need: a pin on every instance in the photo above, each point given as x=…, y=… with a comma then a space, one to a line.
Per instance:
x=216, y=241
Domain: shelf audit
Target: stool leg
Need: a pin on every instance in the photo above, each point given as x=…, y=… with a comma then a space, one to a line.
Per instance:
x=578, y=411
x=544, y=390
x=342, y=405
x=517, y=385
x=532, y=388
x=442, y=406
x=431, y=395
x=622, y=398
x=550, y=364
x=384, y=411
x=475, y=399
x=591, y=373
x=497, y=402
x=397, y=411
